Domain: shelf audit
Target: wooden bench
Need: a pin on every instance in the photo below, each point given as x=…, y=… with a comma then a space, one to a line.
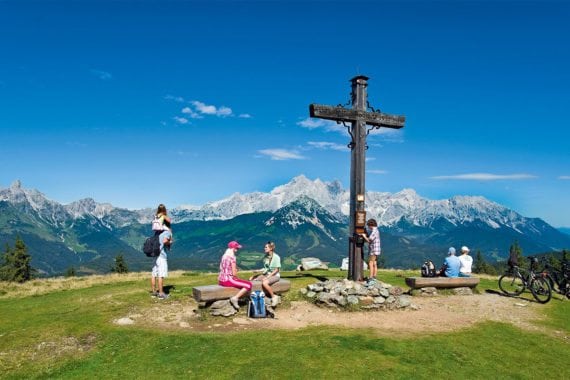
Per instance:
x=209, y=293
x=442, y=282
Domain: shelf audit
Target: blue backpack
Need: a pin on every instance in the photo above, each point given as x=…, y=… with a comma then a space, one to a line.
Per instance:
x=256, y=307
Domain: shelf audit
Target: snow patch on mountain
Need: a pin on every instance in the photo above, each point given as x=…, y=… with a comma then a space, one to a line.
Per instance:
x=388, y=208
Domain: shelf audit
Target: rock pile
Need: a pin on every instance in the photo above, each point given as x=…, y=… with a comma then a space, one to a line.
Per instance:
x=346, y=293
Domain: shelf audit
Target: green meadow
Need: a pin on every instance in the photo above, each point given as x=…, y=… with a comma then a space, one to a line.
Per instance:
x=64, y=329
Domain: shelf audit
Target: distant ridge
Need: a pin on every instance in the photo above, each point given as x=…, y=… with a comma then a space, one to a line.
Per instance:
x=306, y=217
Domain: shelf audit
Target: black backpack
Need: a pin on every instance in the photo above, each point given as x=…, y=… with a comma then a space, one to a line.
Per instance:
x=428, y=269
x=151, y=246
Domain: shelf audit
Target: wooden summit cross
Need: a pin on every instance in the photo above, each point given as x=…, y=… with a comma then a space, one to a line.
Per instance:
x=359, y=118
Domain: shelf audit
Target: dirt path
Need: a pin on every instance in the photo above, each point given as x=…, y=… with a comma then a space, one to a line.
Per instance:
x=432, y=314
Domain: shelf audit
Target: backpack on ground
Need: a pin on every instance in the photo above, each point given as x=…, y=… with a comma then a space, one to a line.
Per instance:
x=151, y=246
x=256, y=307
x=428, y=269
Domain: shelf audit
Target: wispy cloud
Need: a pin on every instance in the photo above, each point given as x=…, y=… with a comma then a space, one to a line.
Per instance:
x=376, y=171
x=181, y=120
x=281, y=154
x=245, y=116
x=178, y=99
x=565, y=177
x=103, y=75
x=485, y=177
x=388, y=134
x=328, y=145
x=327, y=125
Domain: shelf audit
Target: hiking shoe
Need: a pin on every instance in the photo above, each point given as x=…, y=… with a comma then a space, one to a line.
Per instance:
x=153, y=294
x=235, y=303
x=274, y=300
x=162, y=296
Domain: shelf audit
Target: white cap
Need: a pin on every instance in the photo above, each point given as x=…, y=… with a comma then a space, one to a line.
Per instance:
x=464, y=249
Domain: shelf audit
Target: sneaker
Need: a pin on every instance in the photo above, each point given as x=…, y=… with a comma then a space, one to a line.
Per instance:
x=153, y=294
x=274, y=300
x=162, y=296
x=235, y=303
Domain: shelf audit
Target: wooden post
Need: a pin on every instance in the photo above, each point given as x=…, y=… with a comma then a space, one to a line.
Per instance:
x=359, y=118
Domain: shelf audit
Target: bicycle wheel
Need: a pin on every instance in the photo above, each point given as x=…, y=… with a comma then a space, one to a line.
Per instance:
x=511, y=284
x=540, y=289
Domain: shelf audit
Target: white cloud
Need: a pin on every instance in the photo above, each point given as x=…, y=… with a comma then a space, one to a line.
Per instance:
x=178, y=99
x=190, y=112
x=281, y=154
x=206, y=109
x=486, y=177
x=375, y=171
x=564, y=177
x=103, y=75
x=245, y=116
x=370, y=159
x=328, y=145
x=181, y=120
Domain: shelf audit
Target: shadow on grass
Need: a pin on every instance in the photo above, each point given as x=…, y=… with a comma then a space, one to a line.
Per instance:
x=305, y=274
x=168, y=288
x=499, y=293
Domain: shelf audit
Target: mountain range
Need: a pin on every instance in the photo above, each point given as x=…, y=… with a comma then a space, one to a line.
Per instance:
x=304, y=217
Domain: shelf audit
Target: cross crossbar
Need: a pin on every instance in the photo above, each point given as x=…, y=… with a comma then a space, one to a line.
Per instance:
x=339, y=114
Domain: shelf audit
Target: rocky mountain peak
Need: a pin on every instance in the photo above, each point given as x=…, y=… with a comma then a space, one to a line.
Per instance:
x=16, y=185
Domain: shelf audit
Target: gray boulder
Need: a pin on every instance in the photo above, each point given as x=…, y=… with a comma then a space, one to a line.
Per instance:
x=223, y=308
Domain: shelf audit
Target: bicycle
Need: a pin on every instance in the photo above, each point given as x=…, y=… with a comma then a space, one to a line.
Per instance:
x=559, y=279
x=516, y=280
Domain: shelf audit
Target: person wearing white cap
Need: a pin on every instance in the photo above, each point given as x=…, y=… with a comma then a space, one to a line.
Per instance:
x=465, y=262
x=228, y=274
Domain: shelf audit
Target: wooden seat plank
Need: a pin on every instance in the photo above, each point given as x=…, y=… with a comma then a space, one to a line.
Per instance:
x=208, y=293
x=441, y=282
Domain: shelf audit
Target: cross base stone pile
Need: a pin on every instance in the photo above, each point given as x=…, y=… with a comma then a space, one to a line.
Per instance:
x=345, y=293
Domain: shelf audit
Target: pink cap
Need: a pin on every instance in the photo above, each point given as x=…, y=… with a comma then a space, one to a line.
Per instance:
x=234, y=244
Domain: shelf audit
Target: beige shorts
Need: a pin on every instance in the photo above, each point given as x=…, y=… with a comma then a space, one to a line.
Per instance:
x=272, y=280
x=372, y=258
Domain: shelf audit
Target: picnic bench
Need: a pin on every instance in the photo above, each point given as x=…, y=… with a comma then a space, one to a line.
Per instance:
x=209, y=293
x=442, y=282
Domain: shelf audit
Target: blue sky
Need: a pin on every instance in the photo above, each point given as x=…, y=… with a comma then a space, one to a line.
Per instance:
x=185, y=102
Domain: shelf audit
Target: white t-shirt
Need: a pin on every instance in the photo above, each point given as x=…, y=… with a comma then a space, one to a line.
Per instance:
x=465, y=264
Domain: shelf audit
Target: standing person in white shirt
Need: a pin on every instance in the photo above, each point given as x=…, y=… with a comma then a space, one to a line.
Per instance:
x=466, y=262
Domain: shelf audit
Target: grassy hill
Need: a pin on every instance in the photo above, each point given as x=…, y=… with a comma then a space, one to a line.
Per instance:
x=64, y=328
